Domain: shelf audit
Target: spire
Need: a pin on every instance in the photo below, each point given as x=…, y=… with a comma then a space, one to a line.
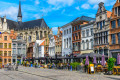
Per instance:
x=19, y=11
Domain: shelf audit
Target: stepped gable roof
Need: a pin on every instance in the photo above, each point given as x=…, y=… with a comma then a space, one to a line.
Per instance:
x=84, y=18
x=33, y=23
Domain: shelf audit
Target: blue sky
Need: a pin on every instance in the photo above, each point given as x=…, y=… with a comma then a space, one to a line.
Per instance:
x=55, y=12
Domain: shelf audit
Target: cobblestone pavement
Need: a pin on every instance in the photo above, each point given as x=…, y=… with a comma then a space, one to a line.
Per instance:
x=27, y=73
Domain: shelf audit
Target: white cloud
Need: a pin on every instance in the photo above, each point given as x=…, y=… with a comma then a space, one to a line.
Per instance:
x=85, y=6
x=10, y=12
x=55, y=29
x=37, y=2
x=95, y=6
x=60, y=2
x=78, y=8
x=37, y=16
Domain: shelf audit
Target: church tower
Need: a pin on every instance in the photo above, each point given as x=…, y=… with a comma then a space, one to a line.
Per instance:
x=19, y=14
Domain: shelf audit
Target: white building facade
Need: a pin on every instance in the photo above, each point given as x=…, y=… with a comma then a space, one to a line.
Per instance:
x=87, y=38
x=38, y=49
x=18, y=50
x=67, y=39
x=52, y=45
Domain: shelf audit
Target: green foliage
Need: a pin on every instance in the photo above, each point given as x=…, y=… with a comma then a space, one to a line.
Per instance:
x=85, y=60
x=74, y=65
x=18, y=62
x=111, y=62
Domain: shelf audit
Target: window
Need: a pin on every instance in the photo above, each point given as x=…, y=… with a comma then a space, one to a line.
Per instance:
x=113, y=24
x=83, y=45
x=100, y=25
x=79, y=26
x=104, y=23
x=69, y=30
x=87, y=32
x=1, y=45
x=19, y=50
x=0, y=53
x=118, y=22
x=69, y=42
x=97, y=25
x=92, y=32
x=87, y=42
x=14, y=51
x=5, y=60
x=29, y=38
x=113, y=39
x=5, y=45
x=64, y=32
x=76, y=36
x=76, y=27
x=119, y=11
x=83, y=33
x=5, y=53
x=5, y=37
x=19, y=44
x=64, y=43
x=79, y=35
x=9, y=60
x=9, y=45
x=119, y=38
x=116, y=10
x=9, y=53
x=91, y=44
x=100, y=9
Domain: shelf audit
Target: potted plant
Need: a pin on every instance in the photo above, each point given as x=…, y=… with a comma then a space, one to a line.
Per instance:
x=111, y=62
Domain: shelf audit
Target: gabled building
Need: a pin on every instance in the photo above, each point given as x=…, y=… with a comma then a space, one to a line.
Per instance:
x=18, y=50
x=76, y=32
x=52, y=39
x=67, y=39
x=114, y=34
x=101, y=30
x=6, y=47
x=58, y=43
x=87, y=38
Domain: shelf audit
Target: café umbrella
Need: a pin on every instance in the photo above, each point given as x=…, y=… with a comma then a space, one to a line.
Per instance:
x=94, y=60
x=103, y=60
x=87, y=61
x=118, y=59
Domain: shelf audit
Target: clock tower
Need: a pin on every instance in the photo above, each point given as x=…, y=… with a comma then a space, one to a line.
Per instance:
x=19, y=14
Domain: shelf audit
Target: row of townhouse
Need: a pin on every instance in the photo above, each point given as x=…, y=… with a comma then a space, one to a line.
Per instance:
x=99, y=35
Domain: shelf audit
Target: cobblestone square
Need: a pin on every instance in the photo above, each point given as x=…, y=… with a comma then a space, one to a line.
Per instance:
x=28, y=73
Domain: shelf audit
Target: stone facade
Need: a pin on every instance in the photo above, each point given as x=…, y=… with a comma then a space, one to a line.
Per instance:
x=18, y=50
x=101, y=30
x=87, y=38
x=58, y=43
x=114, y=35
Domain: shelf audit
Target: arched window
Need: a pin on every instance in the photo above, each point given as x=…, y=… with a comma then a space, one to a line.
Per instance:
x=83, y=44
x=37, y=36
